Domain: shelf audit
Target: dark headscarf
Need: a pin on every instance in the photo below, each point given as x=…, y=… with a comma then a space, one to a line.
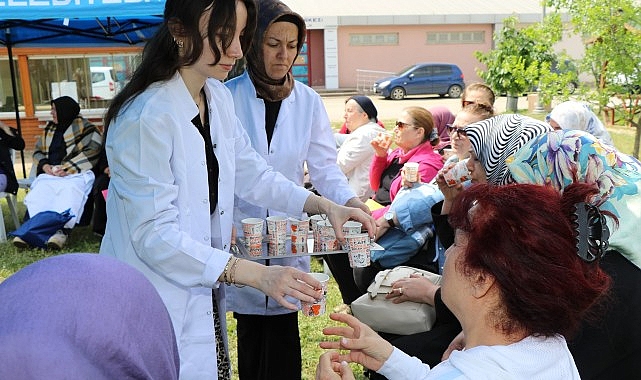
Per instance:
x=269, y=12
x=366, y=105
x=84, y=316
x=499, y=137
x=67, y=110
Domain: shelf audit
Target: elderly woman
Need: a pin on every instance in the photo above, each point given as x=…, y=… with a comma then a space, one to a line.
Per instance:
x=416, y=136
x=578, y=115
x=559, y=159
x=515, y=319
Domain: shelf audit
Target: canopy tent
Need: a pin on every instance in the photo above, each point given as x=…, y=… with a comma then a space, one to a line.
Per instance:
x=78, y=23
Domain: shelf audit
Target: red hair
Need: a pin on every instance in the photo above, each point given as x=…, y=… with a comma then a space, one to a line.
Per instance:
x=522, y=235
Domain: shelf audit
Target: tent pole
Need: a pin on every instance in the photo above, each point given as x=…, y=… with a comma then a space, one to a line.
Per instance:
x=14, y=88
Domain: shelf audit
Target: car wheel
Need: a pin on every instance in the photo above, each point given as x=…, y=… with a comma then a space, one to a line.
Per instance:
x=572, y=86
x=397, y=93
x=455, y=91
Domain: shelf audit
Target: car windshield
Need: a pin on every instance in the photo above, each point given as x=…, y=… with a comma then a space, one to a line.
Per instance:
x=405, y=70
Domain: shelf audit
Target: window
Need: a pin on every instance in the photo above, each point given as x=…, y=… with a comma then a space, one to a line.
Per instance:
x=376, y=39
x=443, y=38
x=6, y=92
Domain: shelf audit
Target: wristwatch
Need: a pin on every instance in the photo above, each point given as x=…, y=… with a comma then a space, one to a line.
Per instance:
x=389, y=216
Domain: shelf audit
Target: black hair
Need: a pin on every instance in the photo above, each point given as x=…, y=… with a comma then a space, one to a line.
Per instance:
x=160, y=58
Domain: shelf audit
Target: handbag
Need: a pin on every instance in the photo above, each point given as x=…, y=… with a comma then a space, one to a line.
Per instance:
x=40, y=227
x=382, y=315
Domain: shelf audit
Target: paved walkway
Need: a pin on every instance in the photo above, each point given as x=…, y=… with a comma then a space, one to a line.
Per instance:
x=390, y=109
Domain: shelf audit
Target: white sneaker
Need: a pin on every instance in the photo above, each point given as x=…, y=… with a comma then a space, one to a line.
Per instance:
x=57, y=240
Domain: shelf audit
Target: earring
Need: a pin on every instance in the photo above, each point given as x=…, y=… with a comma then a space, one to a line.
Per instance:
x=180, y=43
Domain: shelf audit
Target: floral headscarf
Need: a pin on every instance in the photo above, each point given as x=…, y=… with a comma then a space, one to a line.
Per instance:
x=563, y=157
x=579, y=116
x=497, y=138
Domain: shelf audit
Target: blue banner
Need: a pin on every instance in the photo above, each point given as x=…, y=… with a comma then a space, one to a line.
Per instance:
x=44, y=9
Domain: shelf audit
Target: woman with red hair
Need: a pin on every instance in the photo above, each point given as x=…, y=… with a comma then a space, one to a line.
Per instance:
x=515, y=319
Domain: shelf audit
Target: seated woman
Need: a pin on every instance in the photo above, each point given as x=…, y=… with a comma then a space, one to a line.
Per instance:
x=578, y=115
x=416, y=137
x=515, y=320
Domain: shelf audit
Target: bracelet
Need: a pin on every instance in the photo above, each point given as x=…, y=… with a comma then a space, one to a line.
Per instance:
x=233, y=273
x=226, y=270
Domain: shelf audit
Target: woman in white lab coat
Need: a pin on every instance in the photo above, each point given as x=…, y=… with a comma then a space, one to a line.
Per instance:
x=177, y=156
x=288, y=126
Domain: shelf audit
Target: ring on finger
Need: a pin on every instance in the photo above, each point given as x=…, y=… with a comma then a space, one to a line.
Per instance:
x=400, y=291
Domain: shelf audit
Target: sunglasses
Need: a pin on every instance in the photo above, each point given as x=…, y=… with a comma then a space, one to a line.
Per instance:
x=467, y=102
x=401, y=125
x=455, y=129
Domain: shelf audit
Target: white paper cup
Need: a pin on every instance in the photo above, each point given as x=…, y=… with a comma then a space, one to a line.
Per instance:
x=299, y=229
x=457, y=174
x=411, y=171
x=276, y=229
x=317, y=308
x=385, y=139
x=351, y=228
x=313, y=225
x=358, y=250
x=252, y=226
x=326, y=237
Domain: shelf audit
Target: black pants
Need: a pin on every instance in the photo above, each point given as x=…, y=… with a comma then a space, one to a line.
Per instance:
x=344, y=275
x=268, y=347
x=99, y=205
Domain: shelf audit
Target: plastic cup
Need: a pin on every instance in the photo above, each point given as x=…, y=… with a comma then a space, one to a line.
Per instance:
x=385, y=139
x=358, y=250
x=457, y=174
x=326, y=237
x=411, y=171
x=317, y=308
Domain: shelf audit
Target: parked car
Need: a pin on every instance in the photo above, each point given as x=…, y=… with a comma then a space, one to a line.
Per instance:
x=103, y=84
x=422, y=79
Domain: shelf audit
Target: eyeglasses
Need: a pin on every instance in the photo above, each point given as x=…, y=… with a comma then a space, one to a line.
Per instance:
x=401, y=125
x=451, y=129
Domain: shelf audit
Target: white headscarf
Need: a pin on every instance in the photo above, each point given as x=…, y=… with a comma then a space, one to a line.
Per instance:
x=578, y=116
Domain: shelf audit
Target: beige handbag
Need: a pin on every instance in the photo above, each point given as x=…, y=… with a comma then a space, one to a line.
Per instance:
x=383, y=315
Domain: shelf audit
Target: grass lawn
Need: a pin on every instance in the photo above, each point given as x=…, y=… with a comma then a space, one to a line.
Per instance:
x=82, y=240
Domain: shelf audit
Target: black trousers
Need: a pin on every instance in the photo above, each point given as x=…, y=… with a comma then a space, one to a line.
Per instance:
x=344, y=275
x=99, y=205
x=268, y=347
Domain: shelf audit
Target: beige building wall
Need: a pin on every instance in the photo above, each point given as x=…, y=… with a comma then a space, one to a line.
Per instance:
x=412, y=48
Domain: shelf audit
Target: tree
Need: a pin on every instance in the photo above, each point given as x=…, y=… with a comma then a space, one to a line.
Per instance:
x=521, y=57
x=612, y=51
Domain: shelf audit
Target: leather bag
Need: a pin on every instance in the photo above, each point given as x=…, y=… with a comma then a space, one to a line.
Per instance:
x=382, y=315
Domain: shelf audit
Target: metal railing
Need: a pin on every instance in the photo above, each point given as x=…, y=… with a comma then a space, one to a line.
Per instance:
x=365, y=79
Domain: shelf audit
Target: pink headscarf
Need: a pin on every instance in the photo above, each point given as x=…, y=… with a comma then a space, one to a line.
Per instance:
x=442, y=117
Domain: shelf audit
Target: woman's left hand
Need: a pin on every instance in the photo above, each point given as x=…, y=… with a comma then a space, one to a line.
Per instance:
x=331, y=368
x=415, y=288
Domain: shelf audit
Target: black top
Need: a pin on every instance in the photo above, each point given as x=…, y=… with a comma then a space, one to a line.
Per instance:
x=212, y=161
x=387, y=177
x=6, y=163
x=271, y=115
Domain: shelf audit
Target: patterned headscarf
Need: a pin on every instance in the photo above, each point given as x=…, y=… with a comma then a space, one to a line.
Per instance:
x=497, y=138
x=563, y=157
x=269, y=12
x=84, y=316
x=579, y=116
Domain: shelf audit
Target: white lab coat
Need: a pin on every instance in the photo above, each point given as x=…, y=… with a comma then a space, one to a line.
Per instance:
x=302, y=134
x=158, y=205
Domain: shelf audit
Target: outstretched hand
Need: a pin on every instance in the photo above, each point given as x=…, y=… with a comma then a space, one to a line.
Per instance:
x=365, y=346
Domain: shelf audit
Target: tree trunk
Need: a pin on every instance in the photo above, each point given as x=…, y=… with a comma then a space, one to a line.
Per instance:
x=512, y=104
x=637, y=138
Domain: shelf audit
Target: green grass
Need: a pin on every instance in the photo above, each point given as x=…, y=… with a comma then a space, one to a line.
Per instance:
x=82, y=240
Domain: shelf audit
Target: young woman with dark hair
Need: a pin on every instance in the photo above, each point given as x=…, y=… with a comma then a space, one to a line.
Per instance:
x=178, y=156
